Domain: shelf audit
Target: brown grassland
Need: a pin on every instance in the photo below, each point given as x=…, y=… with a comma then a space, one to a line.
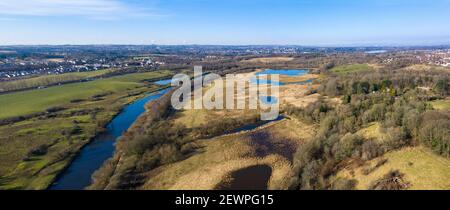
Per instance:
x=423, y=169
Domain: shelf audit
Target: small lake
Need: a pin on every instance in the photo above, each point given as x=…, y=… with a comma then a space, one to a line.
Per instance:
x=253, y=126
x=376, y=51
x=284, y=72
x=268, y=100
x=251, y=178
x=271, y=100
x=78, y=175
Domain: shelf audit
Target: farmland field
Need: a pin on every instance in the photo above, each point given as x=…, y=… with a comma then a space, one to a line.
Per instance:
x=50, y=80
x=351, y=68
x=28, y=102
x=60, y=134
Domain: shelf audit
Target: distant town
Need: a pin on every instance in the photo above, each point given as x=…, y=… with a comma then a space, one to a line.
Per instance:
x=364, y=109
x=28, y=61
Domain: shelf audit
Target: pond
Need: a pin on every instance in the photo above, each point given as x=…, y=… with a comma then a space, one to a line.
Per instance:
x=284, y=72
x=253, y=126
x=251, y=178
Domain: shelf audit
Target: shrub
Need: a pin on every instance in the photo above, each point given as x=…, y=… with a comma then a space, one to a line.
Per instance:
x=394, y=180
x=37, y=151
x=54, y=109
x=370, y=150
x=332, y=88
x=348, y=146
x=344, y=184
x=75, y=130
x=435, y=131
x=367, y=170
x=189, y=148
x=394, y=138
x=311, y=179
x=76, y=101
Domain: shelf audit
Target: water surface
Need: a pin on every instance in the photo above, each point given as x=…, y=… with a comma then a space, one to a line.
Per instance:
x=284, y=72
x=78, y=175
x=164, y=82
x=253, y=126
x=251, y=178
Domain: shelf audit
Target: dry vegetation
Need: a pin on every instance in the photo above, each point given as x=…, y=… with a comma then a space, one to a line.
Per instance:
x=441, y=104
x=381, y=114
x=421, y=168
x=298, y=79
x=356, y=124
x=219, y=157
x=212, y=158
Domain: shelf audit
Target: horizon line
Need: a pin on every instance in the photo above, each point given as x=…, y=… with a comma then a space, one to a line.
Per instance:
x=246, y=45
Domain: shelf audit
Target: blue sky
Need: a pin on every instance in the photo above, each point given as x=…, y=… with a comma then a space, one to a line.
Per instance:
x=299, y=22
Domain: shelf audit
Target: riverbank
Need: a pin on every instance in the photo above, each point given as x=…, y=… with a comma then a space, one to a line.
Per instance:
x=34, y=151
x=88, y=159
x=181, y=146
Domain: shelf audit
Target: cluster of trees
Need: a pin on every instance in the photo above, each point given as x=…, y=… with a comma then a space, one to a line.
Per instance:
x=224, y=126
x=391, y=99
x=434, y=132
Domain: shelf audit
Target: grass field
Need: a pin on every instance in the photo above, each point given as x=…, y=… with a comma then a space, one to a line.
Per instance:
x=56, y=131
x=423, y=169
x=221, y=156
x=441, y=105
x=351, y=68
x=50, y=79
x=372, y=132
x=32, y=101
x=294, y=79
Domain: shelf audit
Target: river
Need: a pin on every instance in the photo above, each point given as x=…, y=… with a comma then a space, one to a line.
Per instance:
x=78, y=175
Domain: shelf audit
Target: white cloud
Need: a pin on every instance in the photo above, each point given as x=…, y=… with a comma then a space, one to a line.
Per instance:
x=95, y=9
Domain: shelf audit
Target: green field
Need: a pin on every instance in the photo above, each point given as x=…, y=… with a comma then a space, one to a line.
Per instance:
x=50, y=79
x=19, y=170
x=441, y=105
x=29, y=102
x=351, y=68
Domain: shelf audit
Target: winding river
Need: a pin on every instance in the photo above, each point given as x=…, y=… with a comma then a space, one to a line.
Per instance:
x=78, y=175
